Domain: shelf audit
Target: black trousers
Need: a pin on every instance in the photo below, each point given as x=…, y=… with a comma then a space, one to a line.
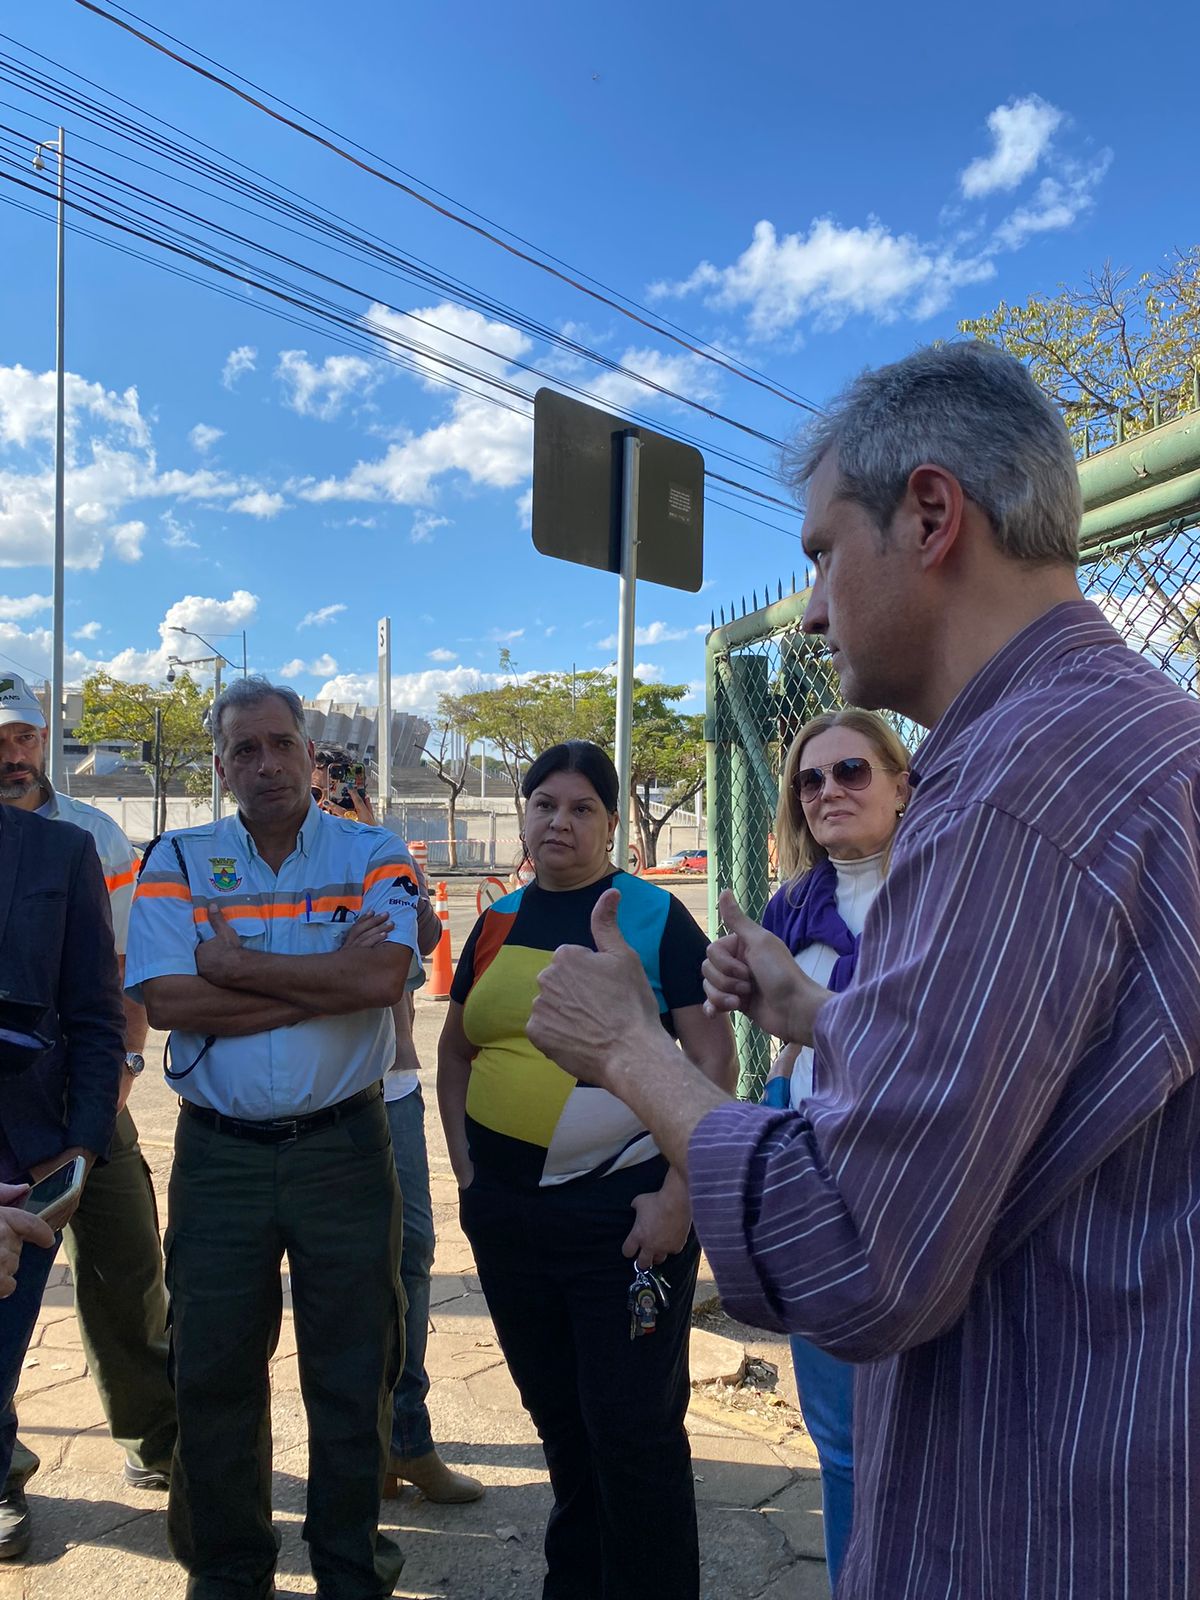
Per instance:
x=329, y=1201
x=610, y=1410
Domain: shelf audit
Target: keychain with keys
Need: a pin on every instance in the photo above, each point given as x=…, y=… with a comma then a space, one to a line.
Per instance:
x=647, y=1296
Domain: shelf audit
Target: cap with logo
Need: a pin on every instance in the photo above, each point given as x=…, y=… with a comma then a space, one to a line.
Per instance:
x=19, y=704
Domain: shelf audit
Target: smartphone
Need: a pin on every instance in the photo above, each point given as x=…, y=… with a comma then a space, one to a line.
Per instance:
x=53, y=1196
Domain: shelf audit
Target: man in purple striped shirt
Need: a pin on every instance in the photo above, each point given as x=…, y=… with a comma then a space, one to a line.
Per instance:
x=992, y=1199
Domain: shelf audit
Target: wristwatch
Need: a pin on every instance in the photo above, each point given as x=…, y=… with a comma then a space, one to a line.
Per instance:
x=135, y=1064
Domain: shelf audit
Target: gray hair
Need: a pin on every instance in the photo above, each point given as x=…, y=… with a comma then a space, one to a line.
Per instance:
x=976, y=412
x=245, y=692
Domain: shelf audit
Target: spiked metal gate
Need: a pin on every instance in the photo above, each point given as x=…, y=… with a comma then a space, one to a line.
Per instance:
x=1140, y=562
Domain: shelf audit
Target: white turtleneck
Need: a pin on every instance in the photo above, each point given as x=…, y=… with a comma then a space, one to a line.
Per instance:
x=857, y=885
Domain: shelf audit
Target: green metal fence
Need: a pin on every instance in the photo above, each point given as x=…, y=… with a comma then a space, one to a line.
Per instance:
x=764, y=678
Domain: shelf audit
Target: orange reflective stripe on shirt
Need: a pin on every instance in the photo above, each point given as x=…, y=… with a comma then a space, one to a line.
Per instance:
x=162, y=891
x=293, y=909
x=389, y=869
x=120, y=879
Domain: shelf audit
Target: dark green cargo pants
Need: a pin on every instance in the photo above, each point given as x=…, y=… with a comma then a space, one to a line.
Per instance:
x=328, y=1200
x=112, y=1246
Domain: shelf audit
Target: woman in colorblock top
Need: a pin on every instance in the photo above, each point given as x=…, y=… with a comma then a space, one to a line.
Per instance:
x=565, y=1200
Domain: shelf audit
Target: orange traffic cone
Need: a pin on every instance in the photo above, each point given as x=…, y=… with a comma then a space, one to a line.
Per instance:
x=441, y=968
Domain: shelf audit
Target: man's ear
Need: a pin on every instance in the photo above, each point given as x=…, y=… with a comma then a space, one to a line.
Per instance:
x=933, y=507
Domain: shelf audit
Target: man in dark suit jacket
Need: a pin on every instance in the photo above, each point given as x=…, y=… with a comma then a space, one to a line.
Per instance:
x=56, y=950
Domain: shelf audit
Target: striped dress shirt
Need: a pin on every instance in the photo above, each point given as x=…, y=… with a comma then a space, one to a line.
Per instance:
x=992, y=1199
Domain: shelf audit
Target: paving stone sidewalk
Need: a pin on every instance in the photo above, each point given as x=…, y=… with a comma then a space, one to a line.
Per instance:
x=756, y=1482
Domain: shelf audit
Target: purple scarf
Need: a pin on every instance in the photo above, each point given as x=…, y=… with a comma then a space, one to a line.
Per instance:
x=814, y=919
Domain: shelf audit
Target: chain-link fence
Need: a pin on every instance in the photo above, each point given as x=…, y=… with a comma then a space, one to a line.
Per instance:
x=765, y=679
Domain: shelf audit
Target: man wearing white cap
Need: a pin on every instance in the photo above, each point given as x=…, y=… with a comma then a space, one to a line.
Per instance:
x=112, y=1242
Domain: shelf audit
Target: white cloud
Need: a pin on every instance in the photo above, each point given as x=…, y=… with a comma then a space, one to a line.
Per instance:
x=652, y=633
x=203, y=437
x=442, y=655
x=425, y=525
x=686, y=374
x=411, y=691
x=238, y=361
x=1056, y=203
x=318, y=619
x=202, y=613
x=831, y=273
x=505, y=635
x=643, y=671
x=259, y=503
x=177, y=537
x=111, y=467
x=322, y=391
x=320, y=668
x=1021, y=133
x=127, y=540
x=26, y=605
x=491, y=446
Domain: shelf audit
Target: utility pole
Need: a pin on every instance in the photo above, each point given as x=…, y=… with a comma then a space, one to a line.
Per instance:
x=57, y=687
x=383, y=738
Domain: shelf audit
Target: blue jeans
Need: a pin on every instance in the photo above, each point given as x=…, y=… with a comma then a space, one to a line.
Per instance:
x=825, y=1386
x=18, y=1318
x=411, y=1435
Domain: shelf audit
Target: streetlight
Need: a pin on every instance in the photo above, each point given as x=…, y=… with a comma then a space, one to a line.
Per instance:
x=57, y=774
x=214, y=662
x=192, y=634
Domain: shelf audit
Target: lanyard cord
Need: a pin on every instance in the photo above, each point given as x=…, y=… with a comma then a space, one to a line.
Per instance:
x=174, y=1077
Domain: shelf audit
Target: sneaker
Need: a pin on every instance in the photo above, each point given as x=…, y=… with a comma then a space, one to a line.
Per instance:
x=146, y=1477
x=16, y=1528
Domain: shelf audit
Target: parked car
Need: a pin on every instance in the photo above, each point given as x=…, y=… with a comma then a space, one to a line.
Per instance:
x=682, y=861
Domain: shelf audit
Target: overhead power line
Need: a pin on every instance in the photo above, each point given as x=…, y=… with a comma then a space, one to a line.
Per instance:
x=372, y=169
x=410, y=268
x=152, y=229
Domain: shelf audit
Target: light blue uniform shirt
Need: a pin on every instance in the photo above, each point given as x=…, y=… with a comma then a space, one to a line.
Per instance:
x=338, y=871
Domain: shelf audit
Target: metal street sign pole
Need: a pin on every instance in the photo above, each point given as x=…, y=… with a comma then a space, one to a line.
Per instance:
x=383, y=738
x=631, y=448
x=58, y=771
x=216, y=781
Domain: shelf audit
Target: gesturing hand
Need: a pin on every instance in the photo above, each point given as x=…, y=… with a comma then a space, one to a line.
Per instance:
x=751, y=970
x=591, y=1001
x=218, y=958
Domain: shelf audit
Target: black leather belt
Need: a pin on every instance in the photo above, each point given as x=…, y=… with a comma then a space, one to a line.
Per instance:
x=281, y=1130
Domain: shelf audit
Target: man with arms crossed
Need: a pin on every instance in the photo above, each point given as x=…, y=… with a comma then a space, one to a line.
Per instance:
x=112, y=1240
x=273, y=944
x=992, y=1198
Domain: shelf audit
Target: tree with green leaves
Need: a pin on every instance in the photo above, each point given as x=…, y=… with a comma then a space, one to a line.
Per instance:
x=522, y=718
x=115, y=711
x=1117, y=355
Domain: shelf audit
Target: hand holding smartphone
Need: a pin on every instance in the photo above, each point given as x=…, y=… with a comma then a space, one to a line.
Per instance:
x=54, y=1197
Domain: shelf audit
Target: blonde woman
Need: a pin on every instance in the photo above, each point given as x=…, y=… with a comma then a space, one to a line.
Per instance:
x=843, y=792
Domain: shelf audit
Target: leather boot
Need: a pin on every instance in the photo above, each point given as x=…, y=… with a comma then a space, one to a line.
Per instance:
x=436, y=1481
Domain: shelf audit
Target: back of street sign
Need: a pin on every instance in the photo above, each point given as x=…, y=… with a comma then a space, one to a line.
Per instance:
x=577, y=476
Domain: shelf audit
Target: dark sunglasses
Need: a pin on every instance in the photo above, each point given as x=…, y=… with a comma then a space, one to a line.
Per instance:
x=852, y=773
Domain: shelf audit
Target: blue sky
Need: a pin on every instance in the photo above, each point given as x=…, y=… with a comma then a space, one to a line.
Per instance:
x=811, y=189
